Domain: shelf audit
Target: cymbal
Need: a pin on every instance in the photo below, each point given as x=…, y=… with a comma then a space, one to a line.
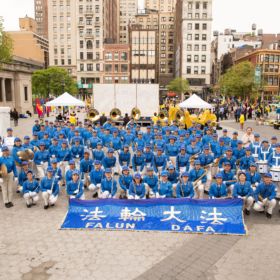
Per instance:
x=36, y=149
x=30, y=153
x=23, y=156
x=3, y=171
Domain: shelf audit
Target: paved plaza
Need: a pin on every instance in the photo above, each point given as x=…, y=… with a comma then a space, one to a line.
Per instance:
x=31, y=246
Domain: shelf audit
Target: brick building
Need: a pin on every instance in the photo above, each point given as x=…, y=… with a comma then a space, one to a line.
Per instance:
x=41, y=16
x=116, y=63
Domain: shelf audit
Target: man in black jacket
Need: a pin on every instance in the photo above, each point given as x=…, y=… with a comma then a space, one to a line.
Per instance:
x=103, y=119
x=126, y=119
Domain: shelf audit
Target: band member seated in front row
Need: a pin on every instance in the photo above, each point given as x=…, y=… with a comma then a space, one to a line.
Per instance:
x=164, y=187
x=75, y=187
x=218, y=189
x=173, y=178
x=246, y=160
x=151, y=181
x=243, y=189
x=195, y=174
x=185, y=187
x=23, y=176
x=265, y=195
x=253, y=177
x=137, y=189
x=49, y=188
x=124, y=180
x=96, y=176
x=30, y=189
x=229, y=177
x=108, y=185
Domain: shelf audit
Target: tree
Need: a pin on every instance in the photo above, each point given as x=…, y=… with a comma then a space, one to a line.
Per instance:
x=179, y=85
x=239, y=81
x=6, y=45
x=49, y=81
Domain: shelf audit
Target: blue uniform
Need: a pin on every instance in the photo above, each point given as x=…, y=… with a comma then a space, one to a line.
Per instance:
x=263, y=153
x=195, y=174
x=108, y=162
x=228, y=176
x=152, y=182
x=158, y=143
x=106, y=140
x=14, y=153
x=266, y=191
x=124, y=157
x=213, y=145
x=182, y=161
x=31, y=147
x=179, y=144
x=140, y=189
x=47, y=143
x=245, y=162
x=159, y=162
x=205, y=160
x=274, y=159
x=173, y=178
x=220, y=150
x=41, y=134
x=233, y=143
x=22, y=176
x=68, y=175
x=30, y=186
x=125, y=181
x=57, y=173
x=51, y=131
x=207, y=139
x=35, y=143
x=88, y=135
x=86, y=166
x=64, y=155
x=171, y=151
x=218, y=191
x=72, y=187
x=77, y=150
x=36, y=128
x=110, y=186
x=42, y=157
x=227, y=140
x=183, y=190
x=9, y=162
x=96, y=176
x=231, y=160
x=255, y=178
x=128, y=139
x=242, y=190
x=255, y=147
x=98, y=155
x=164, y=128
x=53, y=150
x=138, y=143
x=49, y=184
x=164, y=189
x=116, y=143
x=107, y=125
x=239, y=153
x=193, y=150
x=70, y=135
x=148, y=137
x=138, y=161
x=92, y=142
x=149, y=156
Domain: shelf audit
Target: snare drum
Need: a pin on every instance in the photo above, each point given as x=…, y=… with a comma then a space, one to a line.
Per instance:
x=275, y=175
x=256, y=157
x=262, y=167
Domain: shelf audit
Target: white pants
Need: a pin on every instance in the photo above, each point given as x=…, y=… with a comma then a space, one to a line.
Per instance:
x=173, y=161
x=42, y=169
x=82, y=197
x=249, y=202
x=148, y=164
x=209, y=179
x=28, y=198
x=63, y=170
x=149, y=191
x=199, y=192
x=278, y=188
x=94, y=188
x=215, y=171
x=174, y=186
x=270, y=204
x=182, y=170
x=77, y=163
x=131, y=154
x=35, y=169
x=132, y=197
x=31, y=164
x=46, y=197
x=159, y=168
x=86, y=180
x=117, y=165
x=191, y=166
x=7, y=188
x=105, y=149
x=19, y=168
x=105, y=194
x=138, y=167
x=230, y=189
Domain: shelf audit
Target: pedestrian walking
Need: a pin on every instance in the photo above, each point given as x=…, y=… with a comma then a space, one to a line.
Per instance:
x=241, y=121
x=15, y=117
x=250, y=112
x=258, y=115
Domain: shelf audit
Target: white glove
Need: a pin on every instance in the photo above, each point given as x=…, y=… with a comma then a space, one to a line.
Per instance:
x=243, y=170
x=260, y=203
x=51, y=197
x=16, y=179
x=221, y=169
x=56, y=176
x=164, y=196
x=169, y=162
x=41, y=162
x=211, y=165
x=239, y=196
x=77, y=156
x=49, y=191
x=196, y=157
x=1, y=181
x=156, y=174
x=157, y=195
x=256, y=184
x=224, y=182
x=53, y=156
x=30, y=160
x=34, y=194
x=30, y=193
x=215, y=160
x=265, y=200
x=213, y=197
x=88, y=177
x=137, y=197
x=199, y=182
x=76, y=191
x=60, y=163
x=151, y=193
x=110, y=196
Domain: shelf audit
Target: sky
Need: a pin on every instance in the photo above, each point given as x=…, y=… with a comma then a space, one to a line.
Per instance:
x=237, y=14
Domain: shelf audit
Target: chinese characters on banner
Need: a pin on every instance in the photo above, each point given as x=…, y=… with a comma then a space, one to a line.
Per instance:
x=171, y=215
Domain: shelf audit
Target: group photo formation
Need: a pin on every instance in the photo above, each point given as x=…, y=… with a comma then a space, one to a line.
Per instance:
x=139, y=140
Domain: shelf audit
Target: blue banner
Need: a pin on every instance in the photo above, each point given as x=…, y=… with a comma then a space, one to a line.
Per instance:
x=171, y=215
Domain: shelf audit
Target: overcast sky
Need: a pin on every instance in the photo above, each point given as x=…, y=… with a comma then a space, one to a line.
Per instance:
x=237, y=14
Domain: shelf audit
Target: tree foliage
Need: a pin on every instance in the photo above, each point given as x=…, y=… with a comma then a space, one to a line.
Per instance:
x=49, y=81
x=239, y=81
x=179, y=85
x=6, y=45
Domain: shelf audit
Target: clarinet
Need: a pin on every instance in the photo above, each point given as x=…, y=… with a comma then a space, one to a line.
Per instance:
x=182, y=190
x=112, y=185
x=156, y=163
x=134, y=188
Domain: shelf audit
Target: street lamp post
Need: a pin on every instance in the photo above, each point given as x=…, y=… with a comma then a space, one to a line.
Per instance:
x=62, y=83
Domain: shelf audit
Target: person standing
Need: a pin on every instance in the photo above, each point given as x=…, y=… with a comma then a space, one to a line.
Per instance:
x=103, y=119
x=15, y=116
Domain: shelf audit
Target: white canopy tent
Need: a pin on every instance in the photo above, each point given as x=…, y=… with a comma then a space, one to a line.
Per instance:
x=66, y=100
x=4, y=120
x=195, y=102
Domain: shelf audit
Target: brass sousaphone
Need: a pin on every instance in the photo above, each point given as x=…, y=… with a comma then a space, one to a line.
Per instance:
x=135, y=114
x=93, y=115
x=23, y=156
x=180, y=117
x=115, y=114
x=163, y=116
x=3, y=171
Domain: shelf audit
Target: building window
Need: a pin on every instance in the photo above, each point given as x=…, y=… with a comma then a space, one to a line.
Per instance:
x=124, y=56
x=54, y=8
x=116, y=68
x=189, y=15
x=80, y=9
x=97, y=32
x=97, y=8
x=116, y=56
x=81, y=44
x=170, y=33
x=276, y=68
x=162, y=55
x=170, y=41
x=89, y=31
x=68, y=40
x=162, y=62
x=276, y=58
x=61, y=29
x=190, y=5
x=162, y=48
x=68, y=51
x=89, y=21
x=108, y=67
x=163, y=19
x=116, y=78
x=81, y=32
x=171, y=26
x=162, y=70
x=189, y=47
x=196, y=47
x=203, y=58
x=204, y=37
x=69, y=71
x=124, y=68
x=163, y=26
x=189, y=26
x=124, y=79
x=81, y=20
x=81, y=67
x=170, y=48
x=89, y=45
x=54, y=19
x=62, y=61
x=196, y=37
x=55, y=30
x=68, y=8
x=25, y=94
x=197, y=16
x=62, y=50
x=61, y=40
x=196, y=58
x=170, y=55
x=189, y=69
x=204, y=5
x=196, y=70
x=203, y=69
x=89, y=55
x=197, y=5
x=81, y=55
x=69, y=61
x=108, y=56
x=163, y=41
x=55, y=62
x=189, y=37
x=97, y=43
x=108, y=80
x=61, y=8
x=204, y=16
x=204, y=26
x=61, y=19
x=189, y=58
x=89, y=67
x=204, y=47
x=272, y=58
x=197, y=26
x=97, y=67
x=55, y=51
x=275, y=83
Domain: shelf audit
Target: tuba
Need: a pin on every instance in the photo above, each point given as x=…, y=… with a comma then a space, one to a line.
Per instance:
x=115, y=114
x=163, y=116
x=23, y=156
x=135, y=114
x=180, y=117
x=92, y=115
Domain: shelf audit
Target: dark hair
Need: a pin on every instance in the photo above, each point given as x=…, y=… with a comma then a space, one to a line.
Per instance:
x=155, y=114
x=126, y=114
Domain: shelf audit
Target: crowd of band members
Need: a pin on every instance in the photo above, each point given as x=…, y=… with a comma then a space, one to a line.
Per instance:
x=165, y=161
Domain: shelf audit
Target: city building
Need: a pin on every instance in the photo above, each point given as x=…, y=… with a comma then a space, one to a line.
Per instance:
x=28, y=44
x=193, y=43
x=110, y=17
x=62, y=35
x=159, y=15
x=269, y=61
x=15, y=83
x=143, y=48
x=127, y=12
x=116, y=63
x=41, y=17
